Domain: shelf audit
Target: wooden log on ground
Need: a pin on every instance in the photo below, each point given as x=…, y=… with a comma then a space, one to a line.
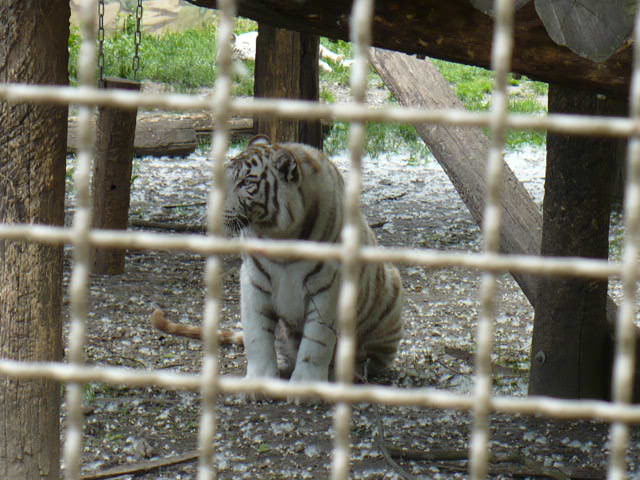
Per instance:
x=571, y=348
x=155, y=135
x=161, y=136
x=462, y=154
x=111, y=180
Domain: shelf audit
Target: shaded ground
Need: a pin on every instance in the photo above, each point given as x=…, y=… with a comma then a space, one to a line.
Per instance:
x=410, y=205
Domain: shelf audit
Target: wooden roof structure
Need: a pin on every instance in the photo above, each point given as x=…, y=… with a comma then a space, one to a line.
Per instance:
x=548, y=33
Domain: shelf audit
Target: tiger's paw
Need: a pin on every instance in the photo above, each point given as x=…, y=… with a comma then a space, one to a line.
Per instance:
x=306, y=375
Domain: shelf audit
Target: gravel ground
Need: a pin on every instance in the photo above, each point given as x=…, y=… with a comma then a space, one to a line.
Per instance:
x=412, y=205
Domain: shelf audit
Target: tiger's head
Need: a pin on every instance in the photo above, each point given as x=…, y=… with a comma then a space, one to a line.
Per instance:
x=264, y=196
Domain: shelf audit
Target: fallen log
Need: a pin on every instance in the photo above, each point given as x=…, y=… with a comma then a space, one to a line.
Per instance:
x=156, y=135
x=162, y=134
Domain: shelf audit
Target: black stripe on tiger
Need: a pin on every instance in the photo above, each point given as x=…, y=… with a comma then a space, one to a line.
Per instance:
x=261, y=268
x=324, y=287
x=260, y=288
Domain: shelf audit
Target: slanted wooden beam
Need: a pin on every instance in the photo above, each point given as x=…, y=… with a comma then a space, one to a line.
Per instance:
x=462, y=153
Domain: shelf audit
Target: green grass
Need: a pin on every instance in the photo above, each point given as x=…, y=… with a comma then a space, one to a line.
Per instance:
x=186, y=61
x=474, y=86
x=380, y=139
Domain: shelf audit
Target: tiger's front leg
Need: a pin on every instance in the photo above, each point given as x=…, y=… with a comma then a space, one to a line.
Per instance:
x=258, y=324
x=319, y=338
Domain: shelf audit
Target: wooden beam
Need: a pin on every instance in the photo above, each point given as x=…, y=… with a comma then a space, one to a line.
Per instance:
x=462, y=153
x=571, y=346
x=310, y=130
x=277, y=75
x=287, y=67
x=452, y=30
x=111, y=181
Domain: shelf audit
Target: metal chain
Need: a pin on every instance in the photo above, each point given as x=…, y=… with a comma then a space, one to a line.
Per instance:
x=137, y=40
x=101, y=42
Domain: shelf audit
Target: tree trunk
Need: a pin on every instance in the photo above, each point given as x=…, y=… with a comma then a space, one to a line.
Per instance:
x=32, y=172
x=571, y=347
x=287, y=67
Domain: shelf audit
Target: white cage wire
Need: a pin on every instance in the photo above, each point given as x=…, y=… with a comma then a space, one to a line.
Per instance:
x=74, y=373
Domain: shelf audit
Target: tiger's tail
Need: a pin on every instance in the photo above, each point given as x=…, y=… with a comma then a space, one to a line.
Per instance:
x=160, y=322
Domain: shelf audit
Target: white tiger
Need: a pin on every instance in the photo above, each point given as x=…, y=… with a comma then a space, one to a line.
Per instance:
x=293, y=191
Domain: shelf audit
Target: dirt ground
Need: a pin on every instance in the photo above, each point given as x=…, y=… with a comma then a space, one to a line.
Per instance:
x=410, y=204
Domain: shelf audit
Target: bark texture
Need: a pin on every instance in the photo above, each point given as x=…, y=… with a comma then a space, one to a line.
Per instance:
x=111, y=182
x=287, y=67
x=571, y=347
x=453, y=30
x=32, y=171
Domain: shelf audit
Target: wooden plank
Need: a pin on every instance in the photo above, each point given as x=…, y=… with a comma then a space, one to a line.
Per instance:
x=462, y=152
x=452, y=30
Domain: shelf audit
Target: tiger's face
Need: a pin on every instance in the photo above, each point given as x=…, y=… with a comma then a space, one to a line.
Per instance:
x=262, y=189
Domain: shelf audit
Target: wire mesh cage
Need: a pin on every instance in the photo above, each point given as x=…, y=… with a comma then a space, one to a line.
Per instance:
x=74, y=373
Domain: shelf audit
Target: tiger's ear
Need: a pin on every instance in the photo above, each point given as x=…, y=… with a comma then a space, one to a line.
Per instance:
x=286, y=165
x=260, y=139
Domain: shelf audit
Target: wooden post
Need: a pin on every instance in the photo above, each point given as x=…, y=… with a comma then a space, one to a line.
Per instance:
x=111, y=183
x=571, y=346
x=287, y=67
x=310, y=130
x=32, y=176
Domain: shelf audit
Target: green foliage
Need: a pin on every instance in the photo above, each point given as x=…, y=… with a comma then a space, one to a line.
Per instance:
x=380, y=138
x=183, y=59
x=474, y=86
x=244, y=25
x=74, y=50
x=186, y=61
x=525, y=104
